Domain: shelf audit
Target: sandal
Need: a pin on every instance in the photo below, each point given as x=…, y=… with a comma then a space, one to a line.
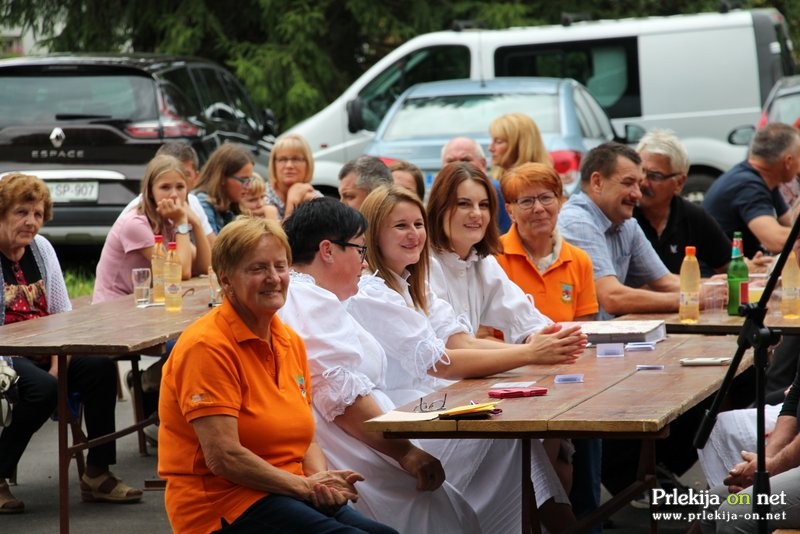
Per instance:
x=118, y=493
x=9, y=504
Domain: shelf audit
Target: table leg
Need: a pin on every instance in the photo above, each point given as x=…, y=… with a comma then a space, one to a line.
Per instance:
x=530, y=512
x=64, y=455
x=647, y=466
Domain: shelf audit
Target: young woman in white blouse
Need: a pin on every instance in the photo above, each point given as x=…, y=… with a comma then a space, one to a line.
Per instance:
x=426, y=346
x=462, y=210
x=404, y=485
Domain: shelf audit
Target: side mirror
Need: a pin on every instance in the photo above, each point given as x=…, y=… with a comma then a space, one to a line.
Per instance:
x=270, y=122
x=633, y=133
x=742, y=135
x=355, y=115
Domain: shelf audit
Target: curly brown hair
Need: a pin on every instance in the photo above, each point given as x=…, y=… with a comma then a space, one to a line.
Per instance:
x=17, y=188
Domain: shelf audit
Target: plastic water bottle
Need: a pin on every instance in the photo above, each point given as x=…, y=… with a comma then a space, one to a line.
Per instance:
x=173, y=300
x=790, y=299
x=737, y=275
x=689, y=309
x=157, y=267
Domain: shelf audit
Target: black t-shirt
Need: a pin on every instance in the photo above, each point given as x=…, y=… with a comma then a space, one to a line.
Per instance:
x=688, y=225
x=739, y=196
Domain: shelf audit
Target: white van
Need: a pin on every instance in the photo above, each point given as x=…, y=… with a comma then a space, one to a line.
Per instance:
x=701, y=75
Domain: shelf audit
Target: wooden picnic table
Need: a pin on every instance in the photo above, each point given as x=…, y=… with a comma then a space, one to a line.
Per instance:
x=719, y=322
x=116, y=328
x=614, y=401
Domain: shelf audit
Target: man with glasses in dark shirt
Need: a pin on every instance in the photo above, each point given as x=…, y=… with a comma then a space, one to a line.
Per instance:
x=669, y=221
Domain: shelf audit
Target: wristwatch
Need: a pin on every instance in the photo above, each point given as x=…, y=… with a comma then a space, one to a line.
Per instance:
x=183, y=228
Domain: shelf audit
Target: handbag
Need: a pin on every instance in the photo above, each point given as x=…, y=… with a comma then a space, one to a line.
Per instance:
x=8, y=379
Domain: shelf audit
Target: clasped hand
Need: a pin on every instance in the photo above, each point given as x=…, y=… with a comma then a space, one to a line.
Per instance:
x=555, y=344
x=330, y=490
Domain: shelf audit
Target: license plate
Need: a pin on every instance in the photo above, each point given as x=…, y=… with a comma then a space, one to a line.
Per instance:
x=73, y=191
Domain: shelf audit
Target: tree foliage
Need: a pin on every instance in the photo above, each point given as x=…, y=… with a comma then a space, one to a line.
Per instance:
x=295, y=57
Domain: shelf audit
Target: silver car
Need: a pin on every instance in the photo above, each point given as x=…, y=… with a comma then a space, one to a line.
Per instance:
x=428, y=115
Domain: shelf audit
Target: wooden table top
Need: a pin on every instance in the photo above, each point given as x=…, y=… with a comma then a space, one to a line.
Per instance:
x=719, y=322
x=113, y=327
x=614, y=399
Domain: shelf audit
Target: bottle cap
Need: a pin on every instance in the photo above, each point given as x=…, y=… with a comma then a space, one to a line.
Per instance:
x=159, y=239
x=690, y=250
x=172, y=245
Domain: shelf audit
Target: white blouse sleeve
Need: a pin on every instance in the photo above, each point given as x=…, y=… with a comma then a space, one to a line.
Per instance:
x=334, y=352
x=505, y=306
x=404, y=333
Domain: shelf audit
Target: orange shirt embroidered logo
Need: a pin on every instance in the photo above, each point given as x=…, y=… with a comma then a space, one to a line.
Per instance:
x=301, y=383
x=566, y=293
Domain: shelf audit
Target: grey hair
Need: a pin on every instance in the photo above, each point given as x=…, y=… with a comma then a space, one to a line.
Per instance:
x=477, y=147
x=665, y=143
x=773, y=140
x=370, y=172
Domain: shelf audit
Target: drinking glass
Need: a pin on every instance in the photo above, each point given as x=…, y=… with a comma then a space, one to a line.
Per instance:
x=141, y=286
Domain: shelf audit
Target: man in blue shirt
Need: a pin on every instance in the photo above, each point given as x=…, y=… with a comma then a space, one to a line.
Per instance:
x=746, y=198
x=629, y=276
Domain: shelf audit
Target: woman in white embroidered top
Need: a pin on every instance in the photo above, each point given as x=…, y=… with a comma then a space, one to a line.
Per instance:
x=425, y=342
x=405, y=487
x=462, y=208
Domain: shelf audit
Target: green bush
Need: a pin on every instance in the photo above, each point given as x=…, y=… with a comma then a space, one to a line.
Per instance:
x=79, y=282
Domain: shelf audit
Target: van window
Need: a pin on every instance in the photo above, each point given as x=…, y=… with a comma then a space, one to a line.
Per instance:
x=609, y=68
x=425, y=65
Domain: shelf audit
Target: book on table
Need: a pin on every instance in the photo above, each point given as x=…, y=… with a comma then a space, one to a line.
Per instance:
x=621, y=331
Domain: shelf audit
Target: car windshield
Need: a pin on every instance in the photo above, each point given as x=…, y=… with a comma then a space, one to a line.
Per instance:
x=31, y=99
x=786, y=109
x=449, y=116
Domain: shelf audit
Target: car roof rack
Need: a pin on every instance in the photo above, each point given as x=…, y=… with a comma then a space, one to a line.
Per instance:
x=468, y=24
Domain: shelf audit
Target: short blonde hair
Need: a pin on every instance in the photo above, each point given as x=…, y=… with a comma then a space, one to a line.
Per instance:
x=257, y=186
x=239, y=237
x=290, y=141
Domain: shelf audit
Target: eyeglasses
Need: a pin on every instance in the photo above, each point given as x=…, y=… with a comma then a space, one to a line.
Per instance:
x=244, y=180
x=654, y=176
x=362, y=249
x=433, y=406
x=293, y=160
x=527, y=203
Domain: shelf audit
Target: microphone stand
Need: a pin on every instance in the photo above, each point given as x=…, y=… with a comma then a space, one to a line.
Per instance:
x=753, y=334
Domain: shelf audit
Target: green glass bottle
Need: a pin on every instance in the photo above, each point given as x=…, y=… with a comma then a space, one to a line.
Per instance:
x=737, y=273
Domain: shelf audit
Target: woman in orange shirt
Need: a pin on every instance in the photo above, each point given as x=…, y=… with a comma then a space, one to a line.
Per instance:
x=236, y=441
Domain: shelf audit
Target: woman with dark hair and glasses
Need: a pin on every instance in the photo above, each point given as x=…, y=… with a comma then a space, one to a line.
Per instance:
x=405, y=486
x=426, y=345
x=223, y=180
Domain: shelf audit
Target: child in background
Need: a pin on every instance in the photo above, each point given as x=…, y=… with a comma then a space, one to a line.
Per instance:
x=254, y=202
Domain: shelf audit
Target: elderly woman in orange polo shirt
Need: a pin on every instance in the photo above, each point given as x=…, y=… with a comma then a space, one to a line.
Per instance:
x=558, y=275
x=237, y=445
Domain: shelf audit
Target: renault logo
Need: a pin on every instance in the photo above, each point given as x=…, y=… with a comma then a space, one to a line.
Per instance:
x=57, y=137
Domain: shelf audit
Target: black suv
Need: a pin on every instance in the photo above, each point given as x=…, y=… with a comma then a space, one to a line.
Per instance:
x=88, y=125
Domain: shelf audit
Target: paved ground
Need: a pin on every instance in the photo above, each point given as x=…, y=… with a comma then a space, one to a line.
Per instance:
x=38, y=489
